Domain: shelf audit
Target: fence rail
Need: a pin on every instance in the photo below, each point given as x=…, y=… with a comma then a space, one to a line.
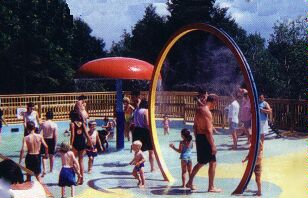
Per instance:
x=287, y=114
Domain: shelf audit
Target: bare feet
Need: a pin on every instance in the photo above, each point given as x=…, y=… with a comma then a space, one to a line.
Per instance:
x=258, y=193
x=192, y=187
x=43, y=174
x=90, y=171
x=215, y=190
x=141, y=186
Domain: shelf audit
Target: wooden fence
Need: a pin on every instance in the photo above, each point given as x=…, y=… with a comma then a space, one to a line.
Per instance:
x=287, y=114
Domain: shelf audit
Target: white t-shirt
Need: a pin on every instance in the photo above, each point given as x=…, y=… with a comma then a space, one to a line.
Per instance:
x=36, y=191
x=233, y=112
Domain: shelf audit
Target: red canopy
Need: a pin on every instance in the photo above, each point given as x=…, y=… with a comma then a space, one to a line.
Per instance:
x=117, y=68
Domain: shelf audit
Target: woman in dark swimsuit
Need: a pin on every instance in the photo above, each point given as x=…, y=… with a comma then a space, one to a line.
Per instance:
x=79, y=135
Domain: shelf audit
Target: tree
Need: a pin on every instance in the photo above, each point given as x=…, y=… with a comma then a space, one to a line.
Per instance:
x=287, y=45
x=41, y=46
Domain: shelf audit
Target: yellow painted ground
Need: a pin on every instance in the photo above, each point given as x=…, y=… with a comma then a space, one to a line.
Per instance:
x=286, y=171
x=92, y=193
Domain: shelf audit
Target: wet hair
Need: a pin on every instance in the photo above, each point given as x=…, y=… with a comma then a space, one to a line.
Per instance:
x=49, y=115
x=202, y=92
x=74, y=116
x=143, y=104
x=212, y=98
x=137, y=143
x=81, y=97
x=30, y=126
x=186, y=134
x=1, y=112
x=11, y=172
x=126, y=99
x=135, y=93
x=30, y=104
x=92, y=122
x=65, y=147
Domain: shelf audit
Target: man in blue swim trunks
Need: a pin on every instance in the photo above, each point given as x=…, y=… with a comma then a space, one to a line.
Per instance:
x=206, y=148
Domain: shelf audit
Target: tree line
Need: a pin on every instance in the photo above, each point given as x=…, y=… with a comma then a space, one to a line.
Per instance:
x=41, y=47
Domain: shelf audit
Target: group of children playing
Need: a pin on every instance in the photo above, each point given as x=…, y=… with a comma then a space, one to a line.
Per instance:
x=96, y=140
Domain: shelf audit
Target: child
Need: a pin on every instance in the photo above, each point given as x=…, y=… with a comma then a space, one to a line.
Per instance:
x=128, y=115
x=185, y=147
x=92, y=151
x=109, y=125
x=258, y=167
x=69, y=167
x=2, y=120
x=103, y=136
x=166, y=122
x=138, y=161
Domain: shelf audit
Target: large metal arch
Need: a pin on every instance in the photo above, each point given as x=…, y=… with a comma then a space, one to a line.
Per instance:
x=251, y=87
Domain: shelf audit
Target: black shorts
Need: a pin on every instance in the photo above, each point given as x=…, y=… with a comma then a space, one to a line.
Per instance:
x=51, y=146
x=143, y=134
x=204, y=150
x=33, y=163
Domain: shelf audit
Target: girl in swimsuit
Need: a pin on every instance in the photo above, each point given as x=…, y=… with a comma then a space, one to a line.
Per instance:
x=185, y=147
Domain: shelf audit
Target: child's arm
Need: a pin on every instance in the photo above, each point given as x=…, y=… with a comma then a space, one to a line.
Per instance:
x=179, y=150
x=75, y=164
x=22, y=150
x=45, y=145
x=99, y=142
x=72, y=129
x=132, y=162
x=87, y=134
x=3, y=120
x=246, y=158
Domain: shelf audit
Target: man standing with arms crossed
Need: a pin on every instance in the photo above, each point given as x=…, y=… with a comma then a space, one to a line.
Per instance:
x=206, y=148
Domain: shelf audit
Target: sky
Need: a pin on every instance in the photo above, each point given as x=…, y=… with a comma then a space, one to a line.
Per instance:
x=109, y=18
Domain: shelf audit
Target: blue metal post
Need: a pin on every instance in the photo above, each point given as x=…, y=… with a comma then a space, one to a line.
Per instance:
x=119, y=115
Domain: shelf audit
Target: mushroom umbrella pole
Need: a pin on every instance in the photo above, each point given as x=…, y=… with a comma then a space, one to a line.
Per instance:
x=118, y=68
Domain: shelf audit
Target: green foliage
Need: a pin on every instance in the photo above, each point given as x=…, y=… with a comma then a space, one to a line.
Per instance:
x=288, y=46
x=41, y=46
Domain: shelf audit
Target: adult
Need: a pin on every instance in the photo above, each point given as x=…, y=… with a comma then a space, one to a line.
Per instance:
x=12, y=182
x=80, y=108
x=31, y=116
x=32, y=143
x=233, y=113
x=206, y=148
x=141, y=130
x=136, y=99
x=78, y=142
x=49, y=131
x=245, y=114
x=128, y=115
x=265, y=110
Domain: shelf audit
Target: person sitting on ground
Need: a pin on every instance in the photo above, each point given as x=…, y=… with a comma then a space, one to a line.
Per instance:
x=32, y=143
x=185, y=148
x=138, y=161
x=12, y=182
x=258, y=168
x=92, y=151
x=69, y=167
x=49, y=131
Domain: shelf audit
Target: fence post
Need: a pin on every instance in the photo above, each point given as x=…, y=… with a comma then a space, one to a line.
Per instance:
x=40, y=106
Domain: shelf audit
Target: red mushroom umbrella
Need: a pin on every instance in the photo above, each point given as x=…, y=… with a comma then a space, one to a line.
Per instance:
x=117, y=68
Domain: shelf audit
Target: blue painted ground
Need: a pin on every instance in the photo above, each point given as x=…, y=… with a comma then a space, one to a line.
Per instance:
x=112, y=173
